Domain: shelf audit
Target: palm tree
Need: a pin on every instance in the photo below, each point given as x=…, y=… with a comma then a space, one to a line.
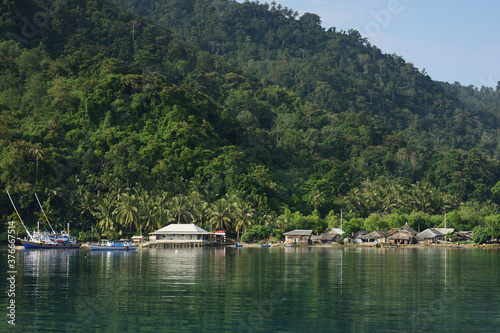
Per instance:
x=104, y=212
x=244, y=217
x=285, y=219
x=37, y=153
x=146, y=208
x=199, y=208
x=180, y=208
x=85, y=201
x=161, y=210
x=316, y=198
x=219, y=214
x=126, y=212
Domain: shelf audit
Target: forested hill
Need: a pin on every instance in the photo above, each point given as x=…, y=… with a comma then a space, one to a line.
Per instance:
x=229, y=115
x=336, y=70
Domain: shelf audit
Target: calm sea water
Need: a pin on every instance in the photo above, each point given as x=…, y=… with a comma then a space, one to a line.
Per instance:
x=255, y=290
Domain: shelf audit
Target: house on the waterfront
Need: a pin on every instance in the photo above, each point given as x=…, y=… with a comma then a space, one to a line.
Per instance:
x=331, y=235
x=180, y=233
x=464, y=236
x=137, y=240
x=378, y=236
x=430, y=235
x=357, y=238
x=403, y=235
x=445, y=231
x=298, y=236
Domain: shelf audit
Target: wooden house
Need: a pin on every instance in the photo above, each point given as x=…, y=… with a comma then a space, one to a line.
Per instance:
x=430, y=235
x=357, y=237
x=378, y=236
x=298, y=236
x=331, y=235
x=403, y=235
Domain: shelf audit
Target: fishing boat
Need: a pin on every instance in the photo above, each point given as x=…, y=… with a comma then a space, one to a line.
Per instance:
x=43, y=239
x=238, y=245
x=46, y=240
x=113, y=245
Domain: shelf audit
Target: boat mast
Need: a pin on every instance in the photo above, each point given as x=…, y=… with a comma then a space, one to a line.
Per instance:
x=44, y=214
x=12, y=202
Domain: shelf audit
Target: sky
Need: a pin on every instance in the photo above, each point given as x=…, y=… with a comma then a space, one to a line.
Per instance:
x=452, y=41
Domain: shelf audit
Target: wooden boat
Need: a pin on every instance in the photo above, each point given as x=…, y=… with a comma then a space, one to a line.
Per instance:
x=113, y=245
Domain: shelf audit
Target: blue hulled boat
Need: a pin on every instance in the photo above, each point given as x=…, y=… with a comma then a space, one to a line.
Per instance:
x=113, y=245
x=45, y=240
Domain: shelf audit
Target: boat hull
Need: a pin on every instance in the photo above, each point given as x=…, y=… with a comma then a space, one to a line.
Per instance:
x=39, y=245
x=111, y=248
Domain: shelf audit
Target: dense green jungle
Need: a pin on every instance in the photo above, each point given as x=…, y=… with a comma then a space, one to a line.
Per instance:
x=125, y=116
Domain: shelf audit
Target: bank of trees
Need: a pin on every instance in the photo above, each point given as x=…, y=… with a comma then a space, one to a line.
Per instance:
x=267, y=118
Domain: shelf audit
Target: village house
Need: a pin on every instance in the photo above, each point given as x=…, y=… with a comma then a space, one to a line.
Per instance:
x=378, y=236
x=403, y=235
x=357, y=238
x=180, y=233
x=298, y=236
x=331, y=235
x=430, y=236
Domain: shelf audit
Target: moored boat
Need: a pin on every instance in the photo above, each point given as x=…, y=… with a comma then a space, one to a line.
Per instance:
x=113, y=245
x=44, y=240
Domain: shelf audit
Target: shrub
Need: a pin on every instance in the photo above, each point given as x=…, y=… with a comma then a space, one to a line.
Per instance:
x=480, y=235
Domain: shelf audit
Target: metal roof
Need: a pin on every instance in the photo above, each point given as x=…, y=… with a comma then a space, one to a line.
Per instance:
x=429, y=233
x=180, y=229
x=338, y=230
x=298, y=232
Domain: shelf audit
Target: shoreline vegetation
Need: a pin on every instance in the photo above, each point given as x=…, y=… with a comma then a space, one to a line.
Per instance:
x=126, y=118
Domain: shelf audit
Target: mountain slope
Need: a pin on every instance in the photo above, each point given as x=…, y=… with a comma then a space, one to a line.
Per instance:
x=232, y=102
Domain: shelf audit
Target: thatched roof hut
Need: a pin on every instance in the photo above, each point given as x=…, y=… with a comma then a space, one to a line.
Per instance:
x=378, y=236
x=404, y=235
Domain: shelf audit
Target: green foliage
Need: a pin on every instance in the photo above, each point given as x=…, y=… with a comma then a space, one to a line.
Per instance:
x=255, y=117
x=375, y=222
x=258, y=232
x=480, y=235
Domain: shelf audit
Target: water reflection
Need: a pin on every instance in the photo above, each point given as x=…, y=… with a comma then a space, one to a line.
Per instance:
x=254, y=289
x=43, y=262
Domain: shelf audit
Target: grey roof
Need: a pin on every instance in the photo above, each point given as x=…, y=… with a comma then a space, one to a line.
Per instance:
x=181, y=229
x=407, y=227
x=375, y=234
x=330, y=234
x=338, y=230
x=298, y=232
x=429, y=233
x=445, y=231
x=359, y=234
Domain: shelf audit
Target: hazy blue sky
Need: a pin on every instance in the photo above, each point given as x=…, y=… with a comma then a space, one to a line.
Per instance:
x=455, y=40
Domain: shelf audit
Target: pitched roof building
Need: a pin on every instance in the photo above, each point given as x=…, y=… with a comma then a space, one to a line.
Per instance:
x=430, y=235
x=180, y=233
x=298, y=236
